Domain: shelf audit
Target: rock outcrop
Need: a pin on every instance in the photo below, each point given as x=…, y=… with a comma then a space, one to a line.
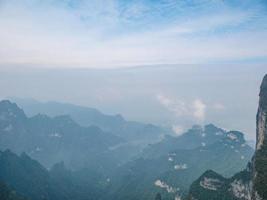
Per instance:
x=213, y=186
x=261, y=115
x=259, y=176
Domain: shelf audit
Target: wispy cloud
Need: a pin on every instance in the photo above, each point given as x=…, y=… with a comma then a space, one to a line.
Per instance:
x=199, y=109
x=112, y=33
x=195, y=109
x=179, y=108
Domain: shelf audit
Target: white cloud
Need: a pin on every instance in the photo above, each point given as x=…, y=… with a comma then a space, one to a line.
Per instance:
x=199, y=109
x=165, y=100
x=195, y=109
x=178, y=107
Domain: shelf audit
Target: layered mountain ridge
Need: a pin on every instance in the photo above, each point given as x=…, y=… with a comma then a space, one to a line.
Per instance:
x=103, y=163
x=250, y=184
x=86, y=116
x=169, y=168
x=50, y=140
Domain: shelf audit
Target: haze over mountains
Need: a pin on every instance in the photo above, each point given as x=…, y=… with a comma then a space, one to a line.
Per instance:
x=103, y=153
x=74, y=152
x=58, y=151
x=116, y=124
x=169, y=95
x=249, y=184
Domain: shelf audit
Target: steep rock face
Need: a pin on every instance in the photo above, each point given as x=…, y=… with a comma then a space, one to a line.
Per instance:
x=261, y=115
x=259, y=191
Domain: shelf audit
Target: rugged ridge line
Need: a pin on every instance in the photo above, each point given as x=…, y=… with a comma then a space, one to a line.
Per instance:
x=259, y=174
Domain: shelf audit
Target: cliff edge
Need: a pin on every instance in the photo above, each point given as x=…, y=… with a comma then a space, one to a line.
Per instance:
x=259, y=176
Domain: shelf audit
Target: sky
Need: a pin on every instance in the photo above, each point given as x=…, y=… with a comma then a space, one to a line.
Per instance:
x=124, y=33
x=169, y=62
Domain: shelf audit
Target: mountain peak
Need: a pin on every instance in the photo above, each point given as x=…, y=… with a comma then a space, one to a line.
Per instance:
x=7, y=152
x=210, y=174
x=8, y=104
x=211, y=129
x=236, y=136
x=210, y=126
x=9, y=110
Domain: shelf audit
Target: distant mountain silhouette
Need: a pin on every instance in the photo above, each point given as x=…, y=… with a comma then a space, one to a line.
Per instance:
x=50, y=140
x=85, y=116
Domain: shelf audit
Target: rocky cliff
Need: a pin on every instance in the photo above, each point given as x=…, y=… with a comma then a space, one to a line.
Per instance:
x=261, y=115
x=259, y=177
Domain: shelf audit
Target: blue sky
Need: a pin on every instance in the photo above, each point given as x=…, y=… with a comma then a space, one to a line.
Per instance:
x=117, y=33
x=211, y=44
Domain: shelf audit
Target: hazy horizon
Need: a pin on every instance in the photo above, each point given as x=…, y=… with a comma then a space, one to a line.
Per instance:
x=177, y=96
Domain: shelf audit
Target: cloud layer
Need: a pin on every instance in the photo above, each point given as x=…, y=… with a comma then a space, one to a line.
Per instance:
x=116, y=33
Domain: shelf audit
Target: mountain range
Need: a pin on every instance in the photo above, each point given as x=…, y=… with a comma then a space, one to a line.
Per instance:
x=85, y=116
x=52, y=156
x=171, y=172
x=50, y=140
